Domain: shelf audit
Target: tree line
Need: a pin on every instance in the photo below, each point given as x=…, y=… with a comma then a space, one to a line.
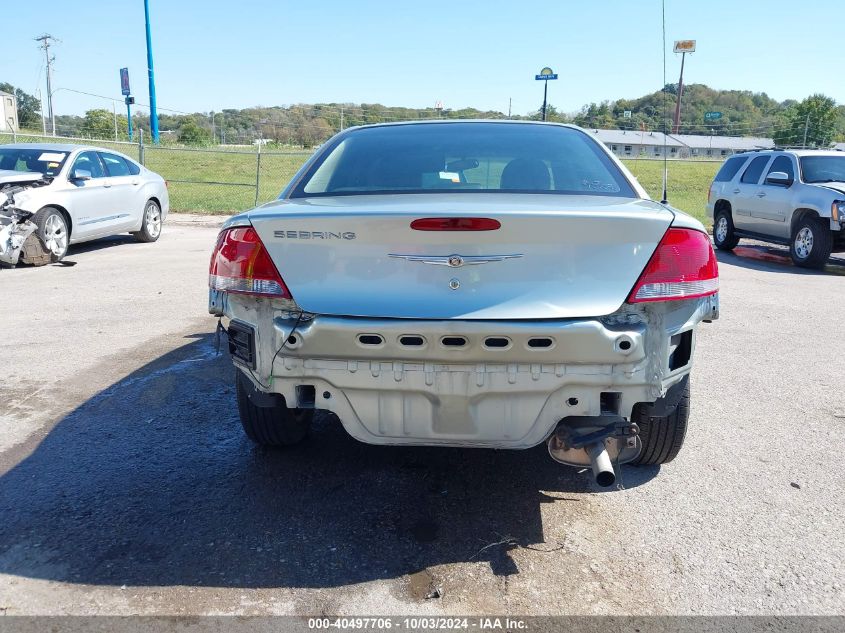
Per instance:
x=816, y=121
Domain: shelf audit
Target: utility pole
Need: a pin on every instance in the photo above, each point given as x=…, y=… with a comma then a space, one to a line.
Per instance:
x=45, y=44
x=43, y=120
x=510, y=103
x=806, y=127
x=677, y=123
x=683, y=47
x=341, y=118
x=153, y=111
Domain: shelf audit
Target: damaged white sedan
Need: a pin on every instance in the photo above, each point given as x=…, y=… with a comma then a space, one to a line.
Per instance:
x=58, y=194
x=468, y=283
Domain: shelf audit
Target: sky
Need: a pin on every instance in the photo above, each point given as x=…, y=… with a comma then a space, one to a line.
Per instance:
x=215, y=54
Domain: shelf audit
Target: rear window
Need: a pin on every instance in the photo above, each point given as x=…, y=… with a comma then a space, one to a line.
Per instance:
x=463, y=157
x=755, y=170
x=115, y=165
x=730, y=169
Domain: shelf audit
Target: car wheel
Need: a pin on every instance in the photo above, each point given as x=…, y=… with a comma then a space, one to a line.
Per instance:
x=52, y=229
x=811, y=243
x=723, y=232
x=662, y=436
x=273, y=425
x=151, y=223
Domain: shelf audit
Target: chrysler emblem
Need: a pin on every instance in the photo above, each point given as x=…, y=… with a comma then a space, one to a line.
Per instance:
x=455, y=261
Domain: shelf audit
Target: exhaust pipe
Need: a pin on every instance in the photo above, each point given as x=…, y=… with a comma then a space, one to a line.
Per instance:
x=600, y=462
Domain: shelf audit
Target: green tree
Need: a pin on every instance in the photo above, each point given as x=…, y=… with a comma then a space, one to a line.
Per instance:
x=192, y=134
x=99, y=123
x=29, y=108
x=815, y=118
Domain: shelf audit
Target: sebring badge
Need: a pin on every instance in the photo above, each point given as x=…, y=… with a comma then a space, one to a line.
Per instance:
x=455, y=261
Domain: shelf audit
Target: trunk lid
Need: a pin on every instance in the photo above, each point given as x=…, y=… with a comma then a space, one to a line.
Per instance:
x=575, y=256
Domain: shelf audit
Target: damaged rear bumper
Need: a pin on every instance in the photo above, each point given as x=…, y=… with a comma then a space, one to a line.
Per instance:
x=500, y=384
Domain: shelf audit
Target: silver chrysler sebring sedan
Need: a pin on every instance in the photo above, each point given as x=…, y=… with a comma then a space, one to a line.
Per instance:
x=81, y=193
x=468, y=283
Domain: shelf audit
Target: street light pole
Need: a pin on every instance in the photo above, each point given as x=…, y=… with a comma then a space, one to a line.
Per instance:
x=545, y=99
x=153, y=111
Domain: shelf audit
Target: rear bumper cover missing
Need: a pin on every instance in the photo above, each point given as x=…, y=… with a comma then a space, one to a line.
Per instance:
x=473, y=395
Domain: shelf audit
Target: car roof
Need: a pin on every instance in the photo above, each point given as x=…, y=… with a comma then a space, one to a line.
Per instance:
x=794, y=152
x=473, y=121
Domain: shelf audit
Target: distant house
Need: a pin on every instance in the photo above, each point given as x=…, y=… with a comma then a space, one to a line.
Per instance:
x=8, y=112
x=637, y=143
x=839, y=147
x=633, y=143
x=711, y=146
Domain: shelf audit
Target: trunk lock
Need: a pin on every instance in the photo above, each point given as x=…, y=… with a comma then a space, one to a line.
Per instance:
x=454, y=284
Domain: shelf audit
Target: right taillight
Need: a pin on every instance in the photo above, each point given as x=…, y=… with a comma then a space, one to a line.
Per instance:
x=683, y=267
x=240, y=263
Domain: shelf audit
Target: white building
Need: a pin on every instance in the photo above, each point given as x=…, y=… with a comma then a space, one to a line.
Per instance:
x=8, y=112
x=711, y=146
x=635, y=143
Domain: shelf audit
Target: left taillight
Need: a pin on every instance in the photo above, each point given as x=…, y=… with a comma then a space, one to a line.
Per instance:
x=240, y=263
x=682, y=267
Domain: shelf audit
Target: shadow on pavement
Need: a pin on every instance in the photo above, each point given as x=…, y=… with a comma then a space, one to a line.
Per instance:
x=152, y=482
x=775, y=259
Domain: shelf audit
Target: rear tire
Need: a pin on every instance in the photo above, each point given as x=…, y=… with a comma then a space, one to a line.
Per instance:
x=662, y=436
x=150, y=223
x=723, y=232
x=811, y=243
x=274, y=425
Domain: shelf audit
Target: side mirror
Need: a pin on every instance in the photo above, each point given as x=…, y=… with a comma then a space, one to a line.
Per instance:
x=80, y=174
x=779, y=178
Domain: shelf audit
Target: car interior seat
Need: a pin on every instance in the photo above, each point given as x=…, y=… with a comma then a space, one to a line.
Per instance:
x=529, y=174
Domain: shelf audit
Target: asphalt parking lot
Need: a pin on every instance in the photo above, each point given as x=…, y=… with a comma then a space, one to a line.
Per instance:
x=127, y=486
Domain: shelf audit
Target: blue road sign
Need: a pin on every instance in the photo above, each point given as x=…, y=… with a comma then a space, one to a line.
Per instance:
x=545, y=77
x=124, y=81
x=712, y=116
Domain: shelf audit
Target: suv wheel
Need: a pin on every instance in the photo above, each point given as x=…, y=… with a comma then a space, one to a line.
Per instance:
x=723, y=232
x=274, y=425
x=811, y=243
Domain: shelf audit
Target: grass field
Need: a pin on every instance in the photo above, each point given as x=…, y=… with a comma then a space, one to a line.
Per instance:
x=224, y=182
x=688, y=182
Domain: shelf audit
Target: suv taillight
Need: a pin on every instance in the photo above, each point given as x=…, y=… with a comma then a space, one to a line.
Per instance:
x=241, y=264
x=683, y=267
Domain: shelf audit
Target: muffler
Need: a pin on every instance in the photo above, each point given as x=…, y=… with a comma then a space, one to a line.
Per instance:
x=597, y=442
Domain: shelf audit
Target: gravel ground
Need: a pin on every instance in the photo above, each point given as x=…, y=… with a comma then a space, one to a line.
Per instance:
x=126, y=485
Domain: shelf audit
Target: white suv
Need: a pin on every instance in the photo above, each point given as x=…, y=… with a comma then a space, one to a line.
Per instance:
x=790, y=197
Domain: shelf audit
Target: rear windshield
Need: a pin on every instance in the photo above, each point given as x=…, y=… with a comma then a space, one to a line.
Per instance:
x=32, y=159
x=463, y=157
x=823, y=168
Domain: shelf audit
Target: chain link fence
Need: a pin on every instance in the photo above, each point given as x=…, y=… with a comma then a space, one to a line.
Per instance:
x=222, y=180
